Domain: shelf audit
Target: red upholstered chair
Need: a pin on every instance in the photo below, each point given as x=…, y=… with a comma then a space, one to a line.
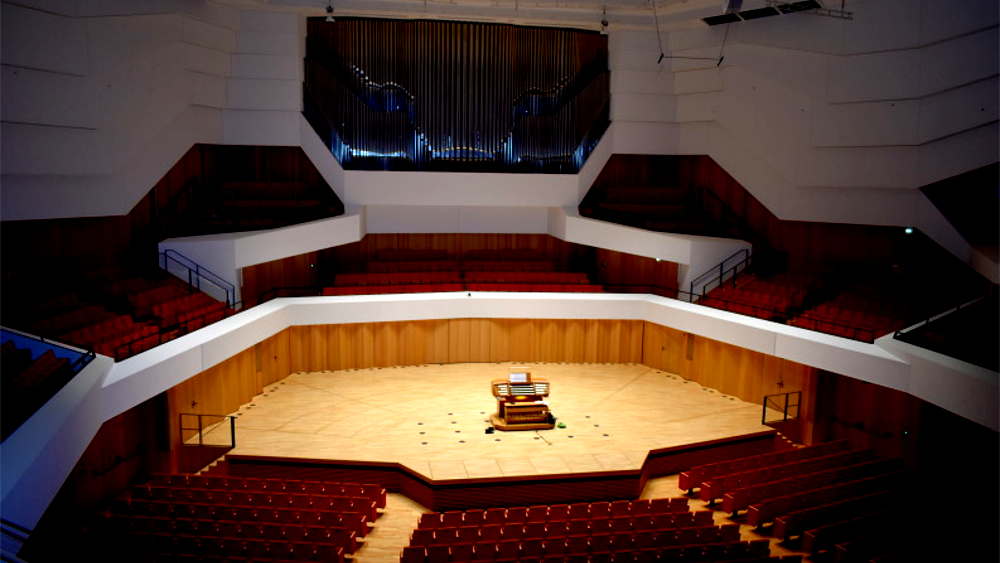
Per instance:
x=412, y=554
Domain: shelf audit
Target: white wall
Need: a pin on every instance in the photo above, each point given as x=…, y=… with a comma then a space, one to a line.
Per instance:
x=90, y=122
x=821, y=119
x=825, y=119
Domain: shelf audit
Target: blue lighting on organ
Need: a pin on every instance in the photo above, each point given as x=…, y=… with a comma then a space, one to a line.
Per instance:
x=456, y=96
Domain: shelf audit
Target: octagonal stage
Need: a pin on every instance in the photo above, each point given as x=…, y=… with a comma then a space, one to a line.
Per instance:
x=428, y=423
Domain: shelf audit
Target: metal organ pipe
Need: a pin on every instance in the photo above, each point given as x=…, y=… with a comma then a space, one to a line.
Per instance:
x=437, y=95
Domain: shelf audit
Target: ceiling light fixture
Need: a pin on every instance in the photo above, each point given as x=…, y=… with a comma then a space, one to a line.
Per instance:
x=329, y=13
x=604, y=20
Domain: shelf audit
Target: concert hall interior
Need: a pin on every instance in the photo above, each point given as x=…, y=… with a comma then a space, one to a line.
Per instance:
x=466, y=280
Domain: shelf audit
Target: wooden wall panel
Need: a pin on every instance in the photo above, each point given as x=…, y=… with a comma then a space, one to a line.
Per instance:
x=500, y=348
x=479, y=339
x=522, y=340
x=629, y=273
x=551, y=340
x=575, y=331
x=459, y=339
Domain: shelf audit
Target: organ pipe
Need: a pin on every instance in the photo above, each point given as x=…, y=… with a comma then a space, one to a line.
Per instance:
x=438, y=95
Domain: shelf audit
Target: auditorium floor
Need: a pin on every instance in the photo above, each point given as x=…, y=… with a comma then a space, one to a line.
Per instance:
x=433, y=418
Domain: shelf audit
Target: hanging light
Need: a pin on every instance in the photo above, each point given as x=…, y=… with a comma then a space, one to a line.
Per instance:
x=604, y=20
x=329, y=13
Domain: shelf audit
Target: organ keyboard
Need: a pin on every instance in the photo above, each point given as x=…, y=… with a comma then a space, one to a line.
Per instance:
x=520, y=403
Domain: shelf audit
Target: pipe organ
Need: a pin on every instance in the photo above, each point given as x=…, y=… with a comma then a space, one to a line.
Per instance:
x=465, y=96
x=521, y=403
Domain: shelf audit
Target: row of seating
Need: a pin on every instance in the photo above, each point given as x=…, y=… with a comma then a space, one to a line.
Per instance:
x=516, y=550
x=263, y=500
x=397, y=278
x=356, y=522
x=70, y=320
x=388, y=289
x=743, y=498
x=448, y=287
x=128, y=345
x=116, y=327
x=561, y=529
x=834, y=326
x=826, y=537
x=288, y=531
x=142, y=302
x=692, y=478
x=716, y=487
x=451, y=265
x=556, y=288
x=169, y=312
x=373, y=492
x=797, y=522
x=554, y=513
x=20, y=376
x=454, y=276
x=240, y=517
x=152, y=547
x=759, y=310
x=766, y=509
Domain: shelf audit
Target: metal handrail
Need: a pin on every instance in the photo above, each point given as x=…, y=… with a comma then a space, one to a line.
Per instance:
x=933, y=318
x=200, y=274
x=722, y=271
x=78, y=364
x=788, y=405
x=201, y=427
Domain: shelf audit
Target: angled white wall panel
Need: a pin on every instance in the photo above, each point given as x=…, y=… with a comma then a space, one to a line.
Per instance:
x=270, y=22
x=27, y=40
x=41, y=97
x=268, y=67
x=260, y=127
x=207, y=60
x=272, y=95
x=866, y=77
x=696, y=107
x=958, y=153
x=698, y=81
x=648, y=108
x=881, y=25
x=218, y=35
x=944, y=19
x=865, y=124
x=642, y=82
x=206, y=90
x=959, y=61
x=959, y=109
x=268, y=43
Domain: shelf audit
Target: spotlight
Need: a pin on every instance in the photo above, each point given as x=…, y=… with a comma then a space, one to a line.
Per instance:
x=604, y=20
x=329, y=13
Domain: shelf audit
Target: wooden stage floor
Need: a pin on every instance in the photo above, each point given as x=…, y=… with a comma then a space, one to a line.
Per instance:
x=433, y=418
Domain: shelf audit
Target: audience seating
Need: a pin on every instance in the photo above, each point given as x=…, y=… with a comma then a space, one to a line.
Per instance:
x=594, y=531
x=417, y=271
x=832, y=470
x=717, y=487
x=693, y=478
x=33, y=375
x=825, y=537
x=272, y=519
x=769, y=507
x=797, y=522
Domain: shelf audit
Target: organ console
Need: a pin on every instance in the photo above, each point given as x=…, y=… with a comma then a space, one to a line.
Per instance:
x=521, y=403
